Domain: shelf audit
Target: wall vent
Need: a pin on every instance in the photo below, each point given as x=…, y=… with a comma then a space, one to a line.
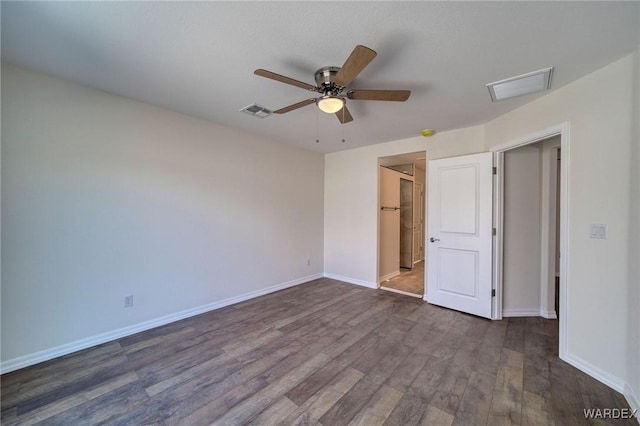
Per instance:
x=257, y=111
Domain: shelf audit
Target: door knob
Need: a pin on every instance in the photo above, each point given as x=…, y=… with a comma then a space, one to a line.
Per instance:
x=434, y=240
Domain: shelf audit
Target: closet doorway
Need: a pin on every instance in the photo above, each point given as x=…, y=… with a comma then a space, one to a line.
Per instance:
x=401, y=185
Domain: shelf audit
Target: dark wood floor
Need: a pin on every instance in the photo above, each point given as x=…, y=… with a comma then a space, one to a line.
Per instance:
x=325, y=353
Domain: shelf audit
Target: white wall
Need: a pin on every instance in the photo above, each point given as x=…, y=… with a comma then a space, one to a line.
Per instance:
x=599, y=109
x=351, y=198
x=522, y=231
x=104, y=197
x=633, y=324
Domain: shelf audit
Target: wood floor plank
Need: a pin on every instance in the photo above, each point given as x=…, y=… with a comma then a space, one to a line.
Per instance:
x=315, y=407
x=276, y=413
x=68, y=367
x=45, y=412
x=566, y=396
x=476, y=401
x=407, y=371
x=348, y=406
x=104, y=409
x=199, y=369
x=415, y=400
x=65, y=389
x=408, y=411
x=379, y=407
x=536, y=365
x=435, y=416
x=514, y=336
x=36, y=389
x=306, y=389
x=451, y=388
x=216, y=393
x=322, y=353
x=506, y=403
x=250, y=407
x=536, y=410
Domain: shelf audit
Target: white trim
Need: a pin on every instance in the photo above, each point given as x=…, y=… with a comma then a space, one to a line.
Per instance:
x=565, y=144
x=549, y=207
x=388, y=277
x=563, y=130
x=498, y=240
x=47, y=354
x=406, y=293
x=521, y=313
x=529, y=313
x=533, y=137
x=350, y=280
x=633, y=400
x=613, y=382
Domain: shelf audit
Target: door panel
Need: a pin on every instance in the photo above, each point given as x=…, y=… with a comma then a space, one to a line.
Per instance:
x=458, y=203
x=459, y=250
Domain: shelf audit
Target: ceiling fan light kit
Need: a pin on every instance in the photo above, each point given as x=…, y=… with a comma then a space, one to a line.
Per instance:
x=330, y=104
x=331, y=83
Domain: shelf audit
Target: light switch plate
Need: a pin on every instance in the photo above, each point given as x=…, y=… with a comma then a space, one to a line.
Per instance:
x=598, y=231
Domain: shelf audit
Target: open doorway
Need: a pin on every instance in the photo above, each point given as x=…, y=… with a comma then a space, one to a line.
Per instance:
x=401, y=254
x=530, y=226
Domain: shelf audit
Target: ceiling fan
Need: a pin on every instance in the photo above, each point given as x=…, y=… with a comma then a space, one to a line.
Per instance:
x=331, y=83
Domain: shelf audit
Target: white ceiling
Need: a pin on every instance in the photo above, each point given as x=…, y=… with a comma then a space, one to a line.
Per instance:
x=198, y=58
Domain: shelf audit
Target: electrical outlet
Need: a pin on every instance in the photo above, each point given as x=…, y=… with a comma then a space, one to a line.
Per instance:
x=128, y=301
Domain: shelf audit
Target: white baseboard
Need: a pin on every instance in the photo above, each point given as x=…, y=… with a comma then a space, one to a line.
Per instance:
x=389, y=276
x=47, y=354
x=521, y=313
x=529, y=313
x=633, y=400
x=351, y=280
x=597, y=373
x=406, y=293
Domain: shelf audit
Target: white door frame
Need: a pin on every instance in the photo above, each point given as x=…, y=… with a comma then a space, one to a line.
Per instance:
x=562, y=130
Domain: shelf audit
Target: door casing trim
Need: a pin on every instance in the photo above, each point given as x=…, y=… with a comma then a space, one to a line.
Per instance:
x=563, y=130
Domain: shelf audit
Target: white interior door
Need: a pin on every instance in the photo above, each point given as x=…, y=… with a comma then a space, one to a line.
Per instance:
x=459, y=238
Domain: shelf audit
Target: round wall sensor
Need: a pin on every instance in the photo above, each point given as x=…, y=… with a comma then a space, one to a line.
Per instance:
x=427, y=132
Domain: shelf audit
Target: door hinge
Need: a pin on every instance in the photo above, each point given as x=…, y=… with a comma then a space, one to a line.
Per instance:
x=493, y=292
x=493, y=231
x=495, y=170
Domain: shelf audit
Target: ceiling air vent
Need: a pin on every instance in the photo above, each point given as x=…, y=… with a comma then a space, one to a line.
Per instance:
x=525, y=84
x=257, y=111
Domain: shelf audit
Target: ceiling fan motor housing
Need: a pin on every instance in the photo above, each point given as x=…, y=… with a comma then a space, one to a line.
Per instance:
x=325, y=80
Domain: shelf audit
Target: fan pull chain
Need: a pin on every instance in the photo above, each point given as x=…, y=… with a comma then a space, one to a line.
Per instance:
x=343, y=123
x=317, y=127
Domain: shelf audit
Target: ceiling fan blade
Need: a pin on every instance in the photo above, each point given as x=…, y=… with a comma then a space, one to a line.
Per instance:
x=344, y=115
x=379, y=95
x=286, y=80
x=355, y=63
x=295, y=106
